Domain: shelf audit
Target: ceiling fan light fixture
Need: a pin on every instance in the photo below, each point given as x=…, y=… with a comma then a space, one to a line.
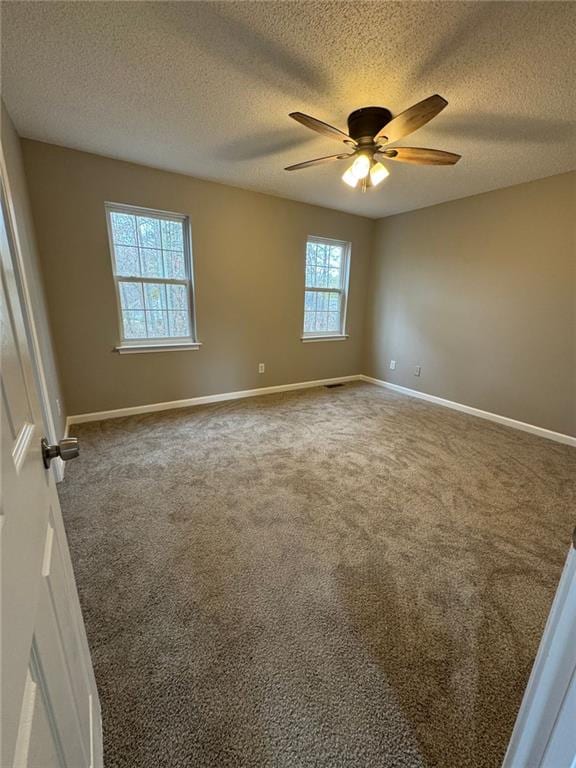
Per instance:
x=378, y=173
x=361, y=167
x=349, y=178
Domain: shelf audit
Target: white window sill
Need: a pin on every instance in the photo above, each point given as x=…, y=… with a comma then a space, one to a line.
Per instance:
x=130, y=349
x=327, y=337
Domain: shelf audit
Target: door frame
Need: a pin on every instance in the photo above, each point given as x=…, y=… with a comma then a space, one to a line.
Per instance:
x=541, y=733
x=50, y=430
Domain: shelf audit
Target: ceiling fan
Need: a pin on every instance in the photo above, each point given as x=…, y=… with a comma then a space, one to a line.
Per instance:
x=370, y=132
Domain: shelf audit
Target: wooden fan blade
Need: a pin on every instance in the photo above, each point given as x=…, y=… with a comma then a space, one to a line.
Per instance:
x=320, y=127
x=317, y=161
x=420, y=156
x=411, y=119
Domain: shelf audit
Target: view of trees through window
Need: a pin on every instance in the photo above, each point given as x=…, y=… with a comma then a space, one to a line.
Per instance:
x=325, y=293
x=150, y=266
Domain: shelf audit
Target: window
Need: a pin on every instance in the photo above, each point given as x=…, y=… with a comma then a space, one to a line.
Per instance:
x=153, y=273
x=325, y=295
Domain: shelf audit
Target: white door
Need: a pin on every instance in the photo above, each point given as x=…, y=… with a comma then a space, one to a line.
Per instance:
x=544, y=735
x=50, y=714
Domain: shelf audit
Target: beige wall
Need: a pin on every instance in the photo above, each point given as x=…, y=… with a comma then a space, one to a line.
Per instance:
x=248, y=252
x=11, y=151
x=481, y=292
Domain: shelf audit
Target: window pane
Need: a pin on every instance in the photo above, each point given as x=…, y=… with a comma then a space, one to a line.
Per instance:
x=134, y=325
x=127, y=262
x=309, y=301
x=333, y=278
x=149, y=232
x=172, y=239
x=324, y=263
x=335, y=256
x=157, y=323
x=179, y=325
x=322, y=312
x=123, y=228
x=309, y=318
x=151, y=262
x=155, y=296
x=131, y=296
x=177, y=297
x=311, y=254
x=333, y=321
x=321, y=255
x=174, y=264
x=317, y=277
x=321, y=324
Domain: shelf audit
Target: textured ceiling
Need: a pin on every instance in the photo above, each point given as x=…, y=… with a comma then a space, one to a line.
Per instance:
x=205, y=88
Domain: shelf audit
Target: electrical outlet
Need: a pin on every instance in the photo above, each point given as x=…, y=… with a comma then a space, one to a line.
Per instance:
x=261, y=367
x=417, y=370
x=392, y=365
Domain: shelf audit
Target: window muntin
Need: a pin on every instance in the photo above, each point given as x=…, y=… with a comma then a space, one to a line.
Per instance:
x=326, y=288
x=153, y=273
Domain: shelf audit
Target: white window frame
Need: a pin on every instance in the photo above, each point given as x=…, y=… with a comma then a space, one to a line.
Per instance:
x=342, y=290
x=165, y=343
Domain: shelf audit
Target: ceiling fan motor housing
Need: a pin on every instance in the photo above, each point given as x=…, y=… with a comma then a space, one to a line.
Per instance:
x=364, y=124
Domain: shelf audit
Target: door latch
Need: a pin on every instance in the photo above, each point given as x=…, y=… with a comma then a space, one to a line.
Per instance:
x=68, y=448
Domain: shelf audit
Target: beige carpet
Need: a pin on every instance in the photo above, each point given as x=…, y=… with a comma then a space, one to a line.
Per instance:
x=333, y=577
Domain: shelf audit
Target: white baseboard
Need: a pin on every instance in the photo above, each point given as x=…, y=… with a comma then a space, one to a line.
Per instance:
x=240, y=394
x=559, y=437
x=81, y=418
